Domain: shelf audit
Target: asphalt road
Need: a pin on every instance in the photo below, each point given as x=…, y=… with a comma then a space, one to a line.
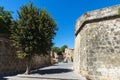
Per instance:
x=61, y=71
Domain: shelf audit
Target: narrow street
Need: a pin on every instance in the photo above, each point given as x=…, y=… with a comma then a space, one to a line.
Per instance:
x=61, y=71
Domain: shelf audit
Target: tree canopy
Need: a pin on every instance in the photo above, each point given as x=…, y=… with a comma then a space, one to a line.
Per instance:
x=63, y=48
x=33, y=32
x=119, y=11
x=59, y=49
x=5, y=20
x=56, y=49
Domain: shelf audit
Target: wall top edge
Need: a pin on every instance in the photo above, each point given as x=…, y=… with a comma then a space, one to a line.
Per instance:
x=96, y=14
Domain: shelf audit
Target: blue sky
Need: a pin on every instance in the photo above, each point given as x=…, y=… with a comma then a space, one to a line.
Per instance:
x=65, y=12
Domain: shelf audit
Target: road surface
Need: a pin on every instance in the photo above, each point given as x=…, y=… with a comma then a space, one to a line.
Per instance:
x=61, y=71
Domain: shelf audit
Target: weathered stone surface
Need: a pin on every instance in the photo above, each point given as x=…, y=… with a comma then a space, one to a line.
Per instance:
x=9, y=63
x=97, y=14
x=97, y=44
x=68, y=55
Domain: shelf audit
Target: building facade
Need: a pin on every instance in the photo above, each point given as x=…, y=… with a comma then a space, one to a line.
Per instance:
x=68, y=55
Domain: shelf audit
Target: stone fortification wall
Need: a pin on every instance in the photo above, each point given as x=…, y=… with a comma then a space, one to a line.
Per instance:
x=97, y=44
x=9, y=63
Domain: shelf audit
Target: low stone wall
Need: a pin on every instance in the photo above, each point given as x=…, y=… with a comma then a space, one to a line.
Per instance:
x=97, y=44
x=9, y=63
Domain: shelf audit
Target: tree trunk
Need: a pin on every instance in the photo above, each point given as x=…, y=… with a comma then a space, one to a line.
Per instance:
x=27, y=72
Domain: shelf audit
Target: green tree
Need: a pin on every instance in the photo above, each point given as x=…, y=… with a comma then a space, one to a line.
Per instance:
x=32, y=33
x=63, y=48
x=2, y=23
x=5, y=20
x=56, y=49
x=118, y=11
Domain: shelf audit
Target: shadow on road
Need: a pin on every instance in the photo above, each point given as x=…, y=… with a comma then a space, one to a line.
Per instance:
x=2, y=78
x=51, y=71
